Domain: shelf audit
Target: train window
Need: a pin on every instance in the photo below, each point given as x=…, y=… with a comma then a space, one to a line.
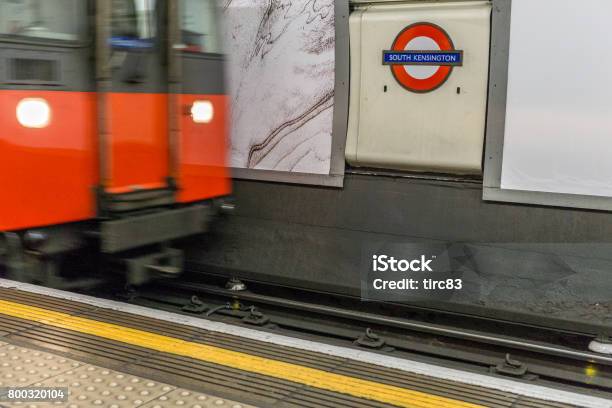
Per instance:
x=133, y=23
x=199, y=26
x=64, y=20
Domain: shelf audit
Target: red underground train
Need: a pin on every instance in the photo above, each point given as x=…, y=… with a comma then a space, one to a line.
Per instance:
x=112, y=132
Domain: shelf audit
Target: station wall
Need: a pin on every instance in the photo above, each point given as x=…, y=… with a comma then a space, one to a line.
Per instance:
x=542, y=265
x=533, y=264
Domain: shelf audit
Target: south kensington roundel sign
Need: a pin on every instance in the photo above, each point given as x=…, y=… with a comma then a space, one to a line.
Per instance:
x=422, y=57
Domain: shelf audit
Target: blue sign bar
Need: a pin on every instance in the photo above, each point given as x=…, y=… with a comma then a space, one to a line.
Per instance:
x=131, y=43
x=435, y=58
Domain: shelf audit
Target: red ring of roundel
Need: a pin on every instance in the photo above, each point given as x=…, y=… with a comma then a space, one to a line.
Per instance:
x=445, y=43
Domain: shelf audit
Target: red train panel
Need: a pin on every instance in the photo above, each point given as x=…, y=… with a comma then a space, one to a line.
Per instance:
x=48, y=174
x=202, y=153
x=137, y=155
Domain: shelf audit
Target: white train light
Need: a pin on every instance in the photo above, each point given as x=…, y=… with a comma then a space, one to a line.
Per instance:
x=202, y=111
x=34, y=113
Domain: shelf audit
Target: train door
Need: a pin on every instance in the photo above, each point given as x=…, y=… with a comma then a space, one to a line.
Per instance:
x=134, y=126
x=162, y=151
x=201, y=149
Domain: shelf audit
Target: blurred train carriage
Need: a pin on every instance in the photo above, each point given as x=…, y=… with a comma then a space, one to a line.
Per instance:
x=112, y=131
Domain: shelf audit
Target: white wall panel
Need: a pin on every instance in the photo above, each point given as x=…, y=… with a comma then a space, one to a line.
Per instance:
x=558, y=135
x=438, y=131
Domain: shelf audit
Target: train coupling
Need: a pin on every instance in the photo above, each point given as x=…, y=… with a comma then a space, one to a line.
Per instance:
x=167, y=262
x=225, y=206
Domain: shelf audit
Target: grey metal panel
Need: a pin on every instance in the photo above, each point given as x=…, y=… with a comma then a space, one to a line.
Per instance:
x=341, y=90
x=431, y=209
x=340, y=119
x=74, y=63
x=134, y=201
x=203, y=74
x=496, y=121
x=152, y=68
x=498, y=88
x=289, y=177
x=548, y=199
x=137, y=231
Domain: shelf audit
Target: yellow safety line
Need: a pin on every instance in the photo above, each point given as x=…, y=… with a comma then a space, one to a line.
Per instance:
x=342, y=384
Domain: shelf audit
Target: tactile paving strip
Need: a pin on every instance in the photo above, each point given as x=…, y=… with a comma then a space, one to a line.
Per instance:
x=20, y=367
x=184, y=398
x=93, y=386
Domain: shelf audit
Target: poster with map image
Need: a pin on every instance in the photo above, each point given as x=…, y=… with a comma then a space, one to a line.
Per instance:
x=281, y=56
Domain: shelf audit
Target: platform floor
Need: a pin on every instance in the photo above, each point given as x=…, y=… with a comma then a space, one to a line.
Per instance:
x=79, y=338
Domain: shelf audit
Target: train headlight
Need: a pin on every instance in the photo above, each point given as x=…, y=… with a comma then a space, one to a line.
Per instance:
x=33, y=113
x=202, y=111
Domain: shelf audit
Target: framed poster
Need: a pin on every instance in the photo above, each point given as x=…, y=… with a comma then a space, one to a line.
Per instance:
x=289, y=93
x=549, y=136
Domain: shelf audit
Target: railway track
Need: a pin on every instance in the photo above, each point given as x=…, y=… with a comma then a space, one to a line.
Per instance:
x=520, y=351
